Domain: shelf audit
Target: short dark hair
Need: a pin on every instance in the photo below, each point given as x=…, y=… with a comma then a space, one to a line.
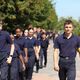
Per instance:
x=18, y=27
x=68, y=22
x=30, y=29
x=43, y=33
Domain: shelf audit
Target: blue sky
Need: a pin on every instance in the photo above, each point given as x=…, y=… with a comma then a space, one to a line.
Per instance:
x=68, y=8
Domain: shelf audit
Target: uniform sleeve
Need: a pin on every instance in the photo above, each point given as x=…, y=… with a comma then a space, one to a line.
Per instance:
x=78, y=44
x=47, y=41
x=25, y=43
x=8, y=39
x=36, y=42
x=56, y=43
x=18, y=50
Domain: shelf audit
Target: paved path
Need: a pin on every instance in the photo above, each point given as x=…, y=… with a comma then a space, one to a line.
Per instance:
x=48, y=73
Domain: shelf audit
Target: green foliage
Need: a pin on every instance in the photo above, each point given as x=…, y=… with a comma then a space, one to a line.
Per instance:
x=61, y=21
x=21, y=12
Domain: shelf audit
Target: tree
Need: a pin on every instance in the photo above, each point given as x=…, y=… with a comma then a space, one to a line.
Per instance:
x=22, y=12
x=61, y=21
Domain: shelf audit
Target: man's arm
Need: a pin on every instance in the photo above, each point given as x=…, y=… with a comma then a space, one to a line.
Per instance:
x=26, y=53
x=56, y=59
x=78, y=51
x=9, y=59
x=22, y=61
x=37, y=50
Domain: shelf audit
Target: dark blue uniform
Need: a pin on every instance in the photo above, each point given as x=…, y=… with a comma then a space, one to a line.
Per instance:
x=44, y=45
x=31, y=43
x=21, y=42
x=67, y=48
x=14, y=67
x=5, y=41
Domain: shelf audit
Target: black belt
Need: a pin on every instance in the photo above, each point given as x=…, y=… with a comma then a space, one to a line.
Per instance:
x=67, y=57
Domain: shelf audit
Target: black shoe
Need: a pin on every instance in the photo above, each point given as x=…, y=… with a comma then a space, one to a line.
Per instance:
x=41, y=67
x=37, y=71
x=44, y=65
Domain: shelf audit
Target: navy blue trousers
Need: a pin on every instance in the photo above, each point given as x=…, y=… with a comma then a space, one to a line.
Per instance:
x=67, y=69
x=29, y=67
x=14, y=70
x=43, y=55
x=3, y=70
x=9, y=72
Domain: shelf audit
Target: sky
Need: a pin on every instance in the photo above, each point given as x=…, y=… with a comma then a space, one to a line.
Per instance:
x=66, y=8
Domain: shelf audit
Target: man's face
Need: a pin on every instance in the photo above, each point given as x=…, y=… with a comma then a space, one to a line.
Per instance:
x=44, y=36
x=31, y=32
x=18, y=32
x=26, y=33
x=38, y=30
x=35, y=29
x=68, y=28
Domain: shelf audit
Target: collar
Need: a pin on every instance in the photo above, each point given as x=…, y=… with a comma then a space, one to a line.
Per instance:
x=30, y=37
x=26, y=37
x=64, y=36
x=18, y=37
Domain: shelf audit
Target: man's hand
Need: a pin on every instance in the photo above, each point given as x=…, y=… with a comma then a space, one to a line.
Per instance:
x=9, y=60
x=56, y=67
x=56, y=59
x=24, y=67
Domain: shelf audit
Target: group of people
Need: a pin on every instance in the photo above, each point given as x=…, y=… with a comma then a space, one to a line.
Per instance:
x=20, y=52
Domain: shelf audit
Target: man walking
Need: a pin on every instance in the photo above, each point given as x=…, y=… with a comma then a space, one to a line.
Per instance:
x=67, y=43
x=5, y=41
